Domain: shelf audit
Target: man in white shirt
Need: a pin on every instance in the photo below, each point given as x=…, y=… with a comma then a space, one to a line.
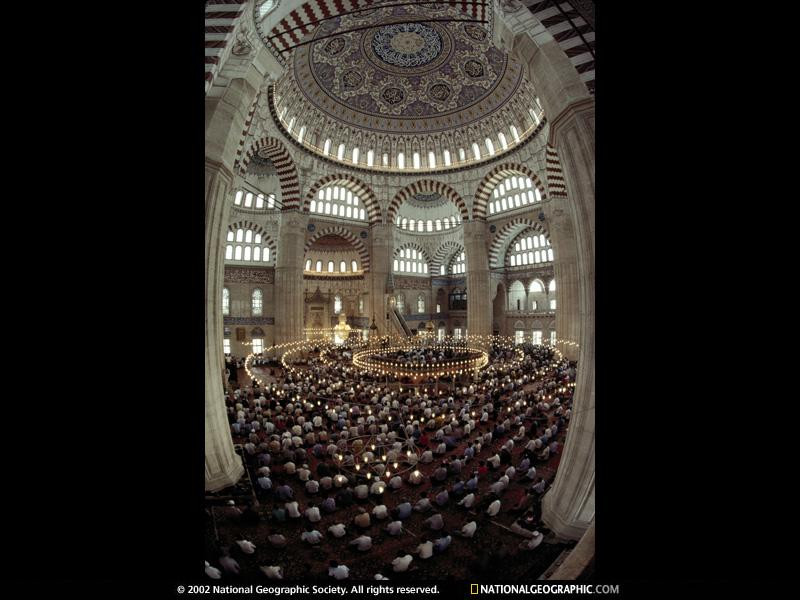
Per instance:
x=362, y=491
x=493, y=509
x=246, y=546
x=312, y=513
x=425, y=549
x=311, y=535
x=274, y=572
x=468, y=530
x=312, y=487
x=337, y=530
x=423, y=504
x=362, y=542
x=292, y=509
x=467, y=501
x=338, y=571
x=213, y=572
x=380, y=511
x=396, y=482
x=402, y=562
x=395, y=528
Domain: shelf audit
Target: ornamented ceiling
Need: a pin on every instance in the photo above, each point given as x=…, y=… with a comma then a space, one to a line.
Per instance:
x=416, y=70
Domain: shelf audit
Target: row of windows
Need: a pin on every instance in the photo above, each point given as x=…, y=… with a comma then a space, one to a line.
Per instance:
x=533, y=257
x=250, y=200
x=513, y=193
x=408, y=260
x=400, y=300
x=536, y=337
x=536, y=286
x=429, y=225
x=249, y=246
x=339, y=202
x=331, y=265
x=355, y=156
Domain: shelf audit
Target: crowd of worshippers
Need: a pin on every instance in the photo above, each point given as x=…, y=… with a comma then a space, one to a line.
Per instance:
x=424, y=355
x=311, y=430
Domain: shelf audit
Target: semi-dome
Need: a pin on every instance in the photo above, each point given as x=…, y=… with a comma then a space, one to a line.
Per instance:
x=405, y=87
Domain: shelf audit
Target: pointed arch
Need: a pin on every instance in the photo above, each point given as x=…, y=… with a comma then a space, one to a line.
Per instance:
x=274, y=150
x=493, y=178
x=427, y=186
x=355, y=185
x=445, y=251
x=355, y=241
x=255, y=228
x=499, y=245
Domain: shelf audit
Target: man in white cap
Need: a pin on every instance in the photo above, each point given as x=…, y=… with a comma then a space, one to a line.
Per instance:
x=468, y=530
x=273, y=572
x=493, y=509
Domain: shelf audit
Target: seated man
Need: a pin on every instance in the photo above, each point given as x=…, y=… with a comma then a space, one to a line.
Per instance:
x=362, y=543
x=395, y=528
x=533, y=542
x=362, y=519
x=311, y=535
x=401, y=563
x=403, y=510
x=423, y=504
x=424, y=550
x=272, y=572
x=277, y=540
x=435, y=522
x=338, y=571
x=380, y=511
x=441, y=544
x=493, y=509
x=468, y=500
x=329, y=504
x=442, y=497
x=468, y=530
x=337, y=530
x=312, y=513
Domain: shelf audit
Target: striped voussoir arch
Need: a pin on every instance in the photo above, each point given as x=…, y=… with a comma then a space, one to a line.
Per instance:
x=222, y=17
x=275, y=151
x=446, y=250
x=355, y=185
x=255, y=228
x=493, y=178
x=571, y=23
x=355, y=241
x=555, y=176
x=243, y=140
x=499, y=246
x=293, y=28
x=413, y=246
x=427, y=186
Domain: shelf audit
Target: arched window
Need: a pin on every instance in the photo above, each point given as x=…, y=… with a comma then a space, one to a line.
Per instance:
x=354, y=266
x=446, y=154
x=330, y=266
x=342, y=267
x=401, y=161
x=489, y=146
x=326, y=149
x=400, y=302
x=308, y=264
x=416, y=160
x=370, y=158
x=340, y=153
x=253, y=250
x=420, y=303
x=513, y=192
x=502, y=137
x=553, y=304
x=257, y=303
x=514, y=133
x=337, y=305
x=355, y=155
x=458, y=265
x=226, y=301
x=339, y=202
x=462, y=155
x=552, y=286
x=319, y=266
x=476, y=151
x=301, y=134
x=409, y=261
x=536, y=287
x=431, y=160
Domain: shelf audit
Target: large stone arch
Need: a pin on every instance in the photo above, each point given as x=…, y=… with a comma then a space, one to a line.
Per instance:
x=427, y=186
x=497, y=250
x=494, y=177
x=358, y=244
x=274, y=150
x=355, y=185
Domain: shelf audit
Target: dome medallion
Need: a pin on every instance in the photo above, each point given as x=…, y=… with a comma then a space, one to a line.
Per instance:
x=407, y=45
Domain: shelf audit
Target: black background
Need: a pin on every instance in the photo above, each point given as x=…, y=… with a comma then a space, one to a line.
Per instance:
x=103, y=427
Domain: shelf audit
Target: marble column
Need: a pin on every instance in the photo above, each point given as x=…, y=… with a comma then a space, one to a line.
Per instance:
x=479, y=297
x=565, y=267
x=569, y=506
x=225, y=117
x=381, y=251
x=289, y=277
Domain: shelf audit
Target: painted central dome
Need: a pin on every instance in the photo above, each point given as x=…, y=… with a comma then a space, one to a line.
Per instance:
x=404, y=71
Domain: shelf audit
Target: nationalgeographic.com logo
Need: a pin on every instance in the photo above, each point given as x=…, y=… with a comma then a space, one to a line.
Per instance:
x=544, y=588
